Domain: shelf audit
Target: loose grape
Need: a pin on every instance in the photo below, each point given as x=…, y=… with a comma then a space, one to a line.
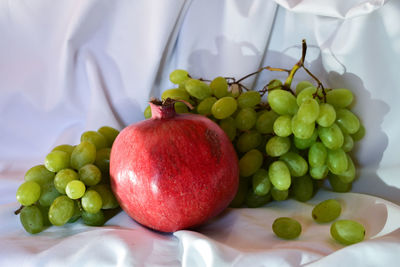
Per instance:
x=250, y=163
x=282, y=102
x=279, y=175
x=347, y=121
x=95, y=138
x=178, y=76
x=331, y=137
x=317, y=154
x=249, y=99
x=302, y=188
x=302, y=130
x=108, y=199
x=91, y=201
x=337, y=185
x=228, y=125
x=31, y=219
x=39, y=174
x=224, y=107
x=327, y=115
x=75, y=189
x=241, y=193
x=347, y=232
x=339, y=98
x=319, y=172
x=279, y=195
x=197, y=89
x=297, y=164
x=305, y=94
x=283, y=126
x=109, y=133
x=265, y=122
x=261, y=183
x=93, y=219
x=103, y=160
x=326, y=211
x=57, y=160
x=302, y=85
x=305, y=143
x=277, y=146
x=308, y=111
x=337, y=161
x=61, y=210
x=90, y=174
x=286, y=228
x=204, y=107
x=248, y=141
x=83, y=154
x=245, y=119
x=28, y=193
x=48, y=194
x=219, y=87
x=175, y=93
x=255, y=201
x=63, y=177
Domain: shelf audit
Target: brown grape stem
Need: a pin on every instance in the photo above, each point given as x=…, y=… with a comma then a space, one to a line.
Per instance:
x=18, y=210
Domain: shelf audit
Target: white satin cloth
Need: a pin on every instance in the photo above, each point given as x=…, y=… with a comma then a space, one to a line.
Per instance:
x=71, y=66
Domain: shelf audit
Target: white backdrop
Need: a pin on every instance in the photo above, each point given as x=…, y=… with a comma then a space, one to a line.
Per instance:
x=71, y=66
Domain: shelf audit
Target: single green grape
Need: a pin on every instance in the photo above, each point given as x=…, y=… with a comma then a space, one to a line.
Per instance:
x=349, y=175
x=39, y=174
x=339, y=98
x=308, y=111
x=348, y=143
x=32, y=219
x=178, y=76
x=66, y=148
x=337, y=161
x=261, y=183
x=254, y=201
x=319, y=172
x=274, y=84
x=305, y=143
x=249, y=99
x=175, y=93
x=277, y=146
x=286, y=228
x=245, y=119
x=326, y=211
x=265, y=122
x=302, y=188
x=283, y=126
x=347, y=232
x=57, y=160
x=197, y=89
x=219, y=87
x=279, y=195
x=93, y=219
x=91, y=201
x=250, y=163
x=302, y=130
x=317, y=154
x=306, y=94
x=108, y=199
x=332, y=137
x=282, y=102
x=347, y=121
x=180, y=108
x=48, y=194
x=109, y=133
x=95, y=138
x=28, y=193
x=224, y=107
x=337, y=185
x=75, y=189
x=103, y=160
x=90, y=174
x=229, y=127
x=357, y=136
x=61, y=210
x=63, y=177
x=303, y=85
x=279, y=175
x=147, y=112
x=248, y=141
x=241, y=193
x=297, y=164
x=204, y=107
x=327, y=115
x=84, y=153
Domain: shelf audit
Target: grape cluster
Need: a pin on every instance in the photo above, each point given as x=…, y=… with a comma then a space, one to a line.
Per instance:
x=72, y=183
x=286, y=144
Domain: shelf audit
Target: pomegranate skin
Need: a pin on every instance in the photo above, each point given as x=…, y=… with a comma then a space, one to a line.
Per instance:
x=173, y=173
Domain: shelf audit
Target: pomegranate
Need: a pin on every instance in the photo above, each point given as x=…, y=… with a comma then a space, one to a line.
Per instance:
x=173, y=171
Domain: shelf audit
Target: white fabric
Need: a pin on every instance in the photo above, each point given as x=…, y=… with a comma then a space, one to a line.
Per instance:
x=71, y=66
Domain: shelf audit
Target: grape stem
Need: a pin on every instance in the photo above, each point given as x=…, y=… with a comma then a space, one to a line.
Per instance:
x=18, y=210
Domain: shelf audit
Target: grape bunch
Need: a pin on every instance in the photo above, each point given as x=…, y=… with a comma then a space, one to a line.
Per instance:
x=289, y=141
x=72, y=183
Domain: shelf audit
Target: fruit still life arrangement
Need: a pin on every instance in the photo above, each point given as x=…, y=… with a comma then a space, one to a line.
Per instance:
x=205, y=146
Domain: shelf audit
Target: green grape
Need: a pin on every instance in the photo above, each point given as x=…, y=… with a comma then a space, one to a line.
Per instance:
x=297, y=164
x=327, y=115
x=249, y=99
x=107, y=197
x=279, y=175
x=63, y=177
x=181, y=107
x=308, y=111
x=28, y=193
x=197, y=89
x=65, y=148
x=248, y=141
x=349, y=175
x=282, y=102
x=317, y=154
x=219, y=87
x=326, y=211
x=147, y=112
x=93, y=219
x=279, y=195
x=45, y=214
x=48, y=194
x=254, y=201
x=241, y=193
x=250, y=163
x=175, y=93
x=261, y=183
x=265, y=122
x=302, y=130
x=245, y=119
x=178, y=76
x=109, y=133
x=277, y=146
x=77, y=212
x=348, y=143
x=57, y=160
x=359, y=134
x=83, y=154
x=339, y=98
x=302, y=188
x=303, y=85
x=274, y=84
x=204, y=107
x=337, y=185
x=75, y=189
x=229, y=127
x=331, y=137
x=95, y=138
x=305, y=143
x=337, y=161
x=347, y=232
x=61, y=210
x=39, y=174
x=283, y=126
x=347, y=121
x=32, y=219
x=319, y=172
x=224, y=107
x=90, y=174
x=103, y=160
x=286, y=228
x=306, y=94
x=91, y=201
